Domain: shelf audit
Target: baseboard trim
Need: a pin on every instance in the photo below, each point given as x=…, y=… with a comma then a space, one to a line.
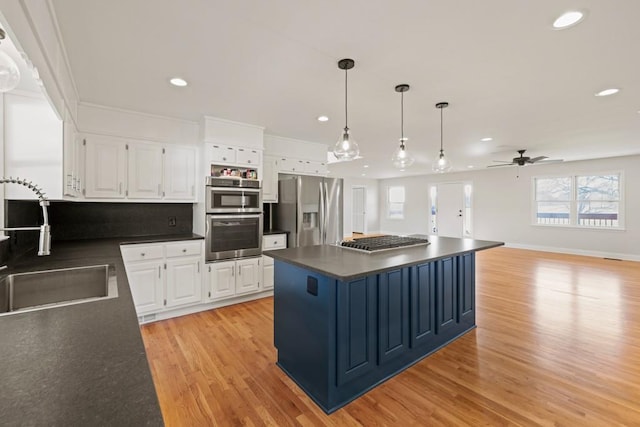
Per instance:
x=571, y=251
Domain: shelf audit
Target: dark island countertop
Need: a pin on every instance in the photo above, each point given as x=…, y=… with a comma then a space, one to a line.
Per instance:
x=82, y=364
x=345, y=264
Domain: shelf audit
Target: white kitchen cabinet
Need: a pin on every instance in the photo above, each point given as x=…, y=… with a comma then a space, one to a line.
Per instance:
x=184, y=282
x=270, y=242
x=106, y=167
x=315, y=168
x=222, y=154
x=147, y=287
x=230, y=278
x=144, y=178
x=222, y=279
x=163, y=276
x=270, y=180
x=287, y=164
x=179, y=173
x=138, y=170
x=247, y=157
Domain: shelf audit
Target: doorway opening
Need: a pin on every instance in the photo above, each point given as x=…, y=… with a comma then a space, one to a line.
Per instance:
x=358, y=211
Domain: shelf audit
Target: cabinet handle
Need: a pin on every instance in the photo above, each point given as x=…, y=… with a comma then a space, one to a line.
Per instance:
x=224, y=158
x=209, y=269
x=233, y=272
x=120, y=188
x=159, y=190
x=142, y=254
x=198, y=266
x=184, y=250
x=239, y=271
x=159, y=271
x=248, y=161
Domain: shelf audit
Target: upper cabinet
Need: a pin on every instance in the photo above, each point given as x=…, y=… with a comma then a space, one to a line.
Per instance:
x=138, y=170
x=296, y=156
x=179, y=173
x=145, y=171
x=270, y=180
x=106, y=167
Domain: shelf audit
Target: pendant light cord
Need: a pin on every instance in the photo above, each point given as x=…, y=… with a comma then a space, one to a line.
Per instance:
x=441, y=130
x=346, y=91
x=402, y=118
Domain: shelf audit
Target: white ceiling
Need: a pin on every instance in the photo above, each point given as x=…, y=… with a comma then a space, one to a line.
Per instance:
x=505, y=72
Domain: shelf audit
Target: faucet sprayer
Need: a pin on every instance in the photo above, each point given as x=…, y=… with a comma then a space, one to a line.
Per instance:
x=44, y=244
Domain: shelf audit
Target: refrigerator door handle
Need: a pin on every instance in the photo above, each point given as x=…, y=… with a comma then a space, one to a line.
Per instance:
x=326, y=213
x=323, y=210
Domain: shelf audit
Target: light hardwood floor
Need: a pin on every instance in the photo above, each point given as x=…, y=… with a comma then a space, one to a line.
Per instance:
x=557, y=343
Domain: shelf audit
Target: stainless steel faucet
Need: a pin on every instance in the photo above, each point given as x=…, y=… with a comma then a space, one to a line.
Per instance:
x=44, y=245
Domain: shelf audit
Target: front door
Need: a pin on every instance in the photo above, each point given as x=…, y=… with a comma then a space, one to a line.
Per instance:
x=450, y=209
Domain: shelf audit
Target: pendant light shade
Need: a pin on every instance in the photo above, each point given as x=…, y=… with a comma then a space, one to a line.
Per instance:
x=402, y=158
x=442, y=163
x=346, y=148
x=9, y=72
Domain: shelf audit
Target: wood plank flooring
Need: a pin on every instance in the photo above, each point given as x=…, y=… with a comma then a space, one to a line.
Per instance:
x=557, y=343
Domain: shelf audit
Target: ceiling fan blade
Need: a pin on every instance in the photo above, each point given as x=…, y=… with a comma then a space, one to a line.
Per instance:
x=503, y=161
x=497, y=166
x=537, y=159
x=551, y=161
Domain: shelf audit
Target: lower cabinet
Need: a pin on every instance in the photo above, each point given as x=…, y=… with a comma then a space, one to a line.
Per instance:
x=164, y=276
x=231, y=278
x=270, y=242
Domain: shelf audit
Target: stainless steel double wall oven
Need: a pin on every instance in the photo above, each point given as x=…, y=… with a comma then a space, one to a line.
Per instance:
x=234, y=218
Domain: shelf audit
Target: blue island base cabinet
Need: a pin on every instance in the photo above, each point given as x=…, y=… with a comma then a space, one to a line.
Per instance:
x=339, y=339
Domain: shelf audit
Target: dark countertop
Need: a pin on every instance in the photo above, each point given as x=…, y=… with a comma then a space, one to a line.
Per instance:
x=158, y=239
x=345, y=264
x=274, y=231
x=82, y=364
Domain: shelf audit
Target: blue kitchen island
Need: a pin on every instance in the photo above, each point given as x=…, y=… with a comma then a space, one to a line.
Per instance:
x=345, y=321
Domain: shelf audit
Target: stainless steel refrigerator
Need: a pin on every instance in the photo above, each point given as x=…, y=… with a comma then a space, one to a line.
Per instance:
x=310, y=209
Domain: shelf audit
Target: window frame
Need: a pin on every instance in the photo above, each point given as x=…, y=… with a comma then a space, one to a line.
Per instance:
x=573, y=201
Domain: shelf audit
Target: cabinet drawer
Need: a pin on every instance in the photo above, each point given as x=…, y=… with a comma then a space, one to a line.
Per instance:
x=183, y=248
x=141, y=252
x=274, y=241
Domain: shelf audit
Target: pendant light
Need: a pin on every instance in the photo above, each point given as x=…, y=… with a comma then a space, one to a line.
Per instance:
x=442, y=164
x=9, y=72
x=346, y=148
x=401, y=158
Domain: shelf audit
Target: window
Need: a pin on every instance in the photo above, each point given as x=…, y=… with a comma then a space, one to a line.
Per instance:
x=582, y=200
x=395, y=203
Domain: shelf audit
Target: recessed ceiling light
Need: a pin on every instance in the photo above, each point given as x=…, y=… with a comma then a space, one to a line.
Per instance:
x=323, y=118
x=608, y=92
x=366, y=166
x=401, y=170
x=364, y=174
x=177, y=81
x=568, y=19
x=487, y=139
x=470, y=166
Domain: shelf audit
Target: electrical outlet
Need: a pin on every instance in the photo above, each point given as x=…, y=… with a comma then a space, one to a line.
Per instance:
x=172, y=221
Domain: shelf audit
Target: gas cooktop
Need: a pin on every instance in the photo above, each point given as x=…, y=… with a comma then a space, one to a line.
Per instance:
x=383, y=243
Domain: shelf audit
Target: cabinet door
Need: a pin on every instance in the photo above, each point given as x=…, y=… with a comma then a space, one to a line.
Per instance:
x=79, y=155
x=145, y=281
x=447, y=295
x=270, y=180
x=267, y=272
x=222, y=279
x=145, y=171
x=247, y=156
x=222, y=154
x=467, y=291
x=315, y=168
x=393, y=316
x=180, y=173
x=248, y=275
x=184, y=283
x=106, y=161
x=286, y=164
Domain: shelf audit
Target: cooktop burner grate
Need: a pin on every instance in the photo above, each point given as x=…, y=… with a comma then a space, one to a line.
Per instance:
x=382, y=243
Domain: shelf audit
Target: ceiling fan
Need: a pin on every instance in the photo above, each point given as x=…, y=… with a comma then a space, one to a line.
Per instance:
x=524, y=160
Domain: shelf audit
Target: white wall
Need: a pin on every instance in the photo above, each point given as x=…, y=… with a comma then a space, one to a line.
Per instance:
x=371, y=209
x=502, y=208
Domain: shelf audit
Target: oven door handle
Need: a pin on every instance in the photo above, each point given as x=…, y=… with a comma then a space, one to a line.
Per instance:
x=233, y=216
x=234, y=189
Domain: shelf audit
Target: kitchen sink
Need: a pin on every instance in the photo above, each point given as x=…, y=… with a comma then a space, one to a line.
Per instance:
x=40, y=290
